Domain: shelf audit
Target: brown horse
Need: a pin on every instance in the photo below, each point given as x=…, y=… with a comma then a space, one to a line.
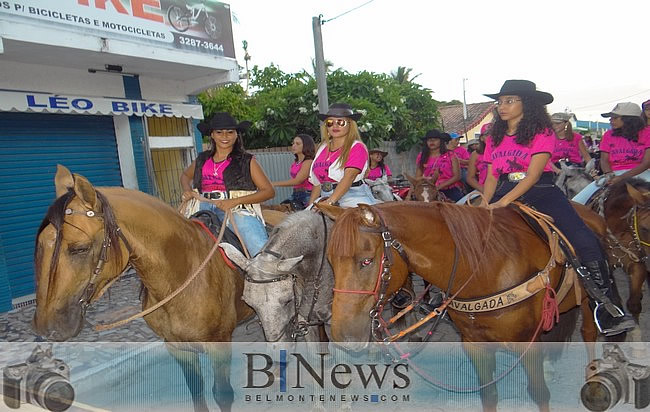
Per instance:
x=110, y=228
x=424, y=189
x=497, y=250
x=626, y=209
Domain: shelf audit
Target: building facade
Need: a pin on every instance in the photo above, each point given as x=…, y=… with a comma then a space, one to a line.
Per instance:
x=106, y=88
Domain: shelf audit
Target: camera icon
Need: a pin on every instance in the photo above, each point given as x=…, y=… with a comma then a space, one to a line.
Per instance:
x=41, y=380
x=612, y=379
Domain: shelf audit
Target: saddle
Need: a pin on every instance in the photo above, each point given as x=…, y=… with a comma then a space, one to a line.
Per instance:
x=213, y=223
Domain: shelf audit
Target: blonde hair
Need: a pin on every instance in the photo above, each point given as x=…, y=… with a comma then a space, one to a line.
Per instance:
x=352, y=136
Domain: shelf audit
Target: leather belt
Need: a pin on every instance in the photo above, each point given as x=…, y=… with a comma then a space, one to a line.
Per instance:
x=329, y=186
x=518, y=176
x=216, y=195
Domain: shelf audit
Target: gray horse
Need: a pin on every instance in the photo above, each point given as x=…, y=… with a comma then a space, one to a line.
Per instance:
x=572, y=179
x=289, y=283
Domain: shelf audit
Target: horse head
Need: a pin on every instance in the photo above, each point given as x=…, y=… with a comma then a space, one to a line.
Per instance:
x=269, y=289
x=359, y=260
x=424, y=189
x=78, y=251
x=640, y=196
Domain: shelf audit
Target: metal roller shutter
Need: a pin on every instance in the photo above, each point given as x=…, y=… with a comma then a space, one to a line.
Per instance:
x=31, y=145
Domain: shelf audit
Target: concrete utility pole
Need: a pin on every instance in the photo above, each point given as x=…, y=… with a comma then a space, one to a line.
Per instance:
x=321, y=79
x=465, y=112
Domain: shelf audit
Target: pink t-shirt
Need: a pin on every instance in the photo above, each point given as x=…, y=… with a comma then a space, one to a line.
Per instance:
x=625, y=154
x=212, y=175
x=565, y=149
x=357, y=159
x=293, y=171
x=443, y=164
x=462, y=154
x=511, y=157
x=375, y=173
x=481, y=168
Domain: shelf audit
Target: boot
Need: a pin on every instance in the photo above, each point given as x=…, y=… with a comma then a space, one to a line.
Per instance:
x=610, y=318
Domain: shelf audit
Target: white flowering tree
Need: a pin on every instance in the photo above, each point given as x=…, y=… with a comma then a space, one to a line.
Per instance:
x=283, y=105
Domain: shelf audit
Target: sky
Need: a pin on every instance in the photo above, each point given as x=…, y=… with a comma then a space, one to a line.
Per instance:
x=588, y=54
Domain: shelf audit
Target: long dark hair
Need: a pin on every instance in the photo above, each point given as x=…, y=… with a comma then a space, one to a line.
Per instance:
x=632, y=125
x=308, y=146
x=424, y=154
x=238, y=149
x=535, y=120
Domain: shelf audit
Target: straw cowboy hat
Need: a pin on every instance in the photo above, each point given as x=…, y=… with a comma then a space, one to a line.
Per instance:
x=522, y=88
x=222, y=121
x=340, y=110
x=383, y=153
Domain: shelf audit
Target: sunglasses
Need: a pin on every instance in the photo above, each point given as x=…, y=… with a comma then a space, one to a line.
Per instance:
x=338, y=122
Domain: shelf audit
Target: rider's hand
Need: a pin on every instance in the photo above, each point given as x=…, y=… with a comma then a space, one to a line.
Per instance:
x=225, y=204
x=187, y=195
x=497, y=205
x=613, y=180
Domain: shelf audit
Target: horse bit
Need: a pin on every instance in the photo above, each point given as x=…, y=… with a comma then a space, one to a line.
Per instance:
x=89, y=290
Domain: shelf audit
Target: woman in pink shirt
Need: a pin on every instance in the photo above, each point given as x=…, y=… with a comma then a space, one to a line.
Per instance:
x=341, y=160
x=623, y=149
x=569, y=145
x=435, y=157
x=378, y=175
x=303, y=149
x=518, y=152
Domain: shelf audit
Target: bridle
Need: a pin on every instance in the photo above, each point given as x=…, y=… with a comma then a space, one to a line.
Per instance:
x=296, y=327
x=89, y=291
x=383, y=275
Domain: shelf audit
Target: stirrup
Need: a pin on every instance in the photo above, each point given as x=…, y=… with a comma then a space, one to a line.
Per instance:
x=624, y=325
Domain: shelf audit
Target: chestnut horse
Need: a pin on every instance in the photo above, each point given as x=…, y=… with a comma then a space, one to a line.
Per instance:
x=626, y=209
x=497, y=250
x=424, y=189
x=110, y=228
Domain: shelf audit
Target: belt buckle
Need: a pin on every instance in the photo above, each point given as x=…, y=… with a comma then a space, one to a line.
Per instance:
x=516, y=176
x=327, y=186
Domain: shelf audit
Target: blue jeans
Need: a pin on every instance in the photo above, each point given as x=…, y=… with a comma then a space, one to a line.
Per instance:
x=354, y=196
x=586, y=193
x=301, y=197
x=250, y=227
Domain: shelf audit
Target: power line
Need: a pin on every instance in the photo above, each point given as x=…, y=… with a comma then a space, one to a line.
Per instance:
x=351, y=10
x=611, y=101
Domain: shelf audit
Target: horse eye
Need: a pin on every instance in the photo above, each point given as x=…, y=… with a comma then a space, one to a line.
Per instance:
x=78, y=249
x=366, y=262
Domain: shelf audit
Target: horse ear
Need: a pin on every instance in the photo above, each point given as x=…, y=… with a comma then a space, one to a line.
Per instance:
x=63, y=181
x=330, y=211
x=85, y=191
x=367, y=214
x=411, y=179
x=635, y=194
x=285, y=265
x=235, y=255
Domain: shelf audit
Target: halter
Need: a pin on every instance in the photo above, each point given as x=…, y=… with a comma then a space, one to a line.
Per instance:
x=89, y=290
x=297, y=327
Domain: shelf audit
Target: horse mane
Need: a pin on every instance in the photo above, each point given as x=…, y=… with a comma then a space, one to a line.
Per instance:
x=618, y=191
x=56, y=217
x=481, y=235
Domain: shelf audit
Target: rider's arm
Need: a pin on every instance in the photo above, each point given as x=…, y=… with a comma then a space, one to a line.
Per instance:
x=490, y=184
x=642, y=167
x=471, y=172
x=584, y=152
x=604, y=162
x=534, y=172
x=315, y=194
x=302, y=175
x=456, y=177
x=186, y=181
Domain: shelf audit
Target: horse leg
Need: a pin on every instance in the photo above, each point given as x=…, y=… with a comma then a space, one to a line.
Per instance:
x=533, y=363
x=191, y=365
x=484, y=361
x=220, y=355
x=637, y=273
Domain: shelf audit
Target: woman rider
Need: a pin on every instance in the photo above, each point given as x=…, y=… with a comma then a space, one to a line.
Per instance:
x=518, y=153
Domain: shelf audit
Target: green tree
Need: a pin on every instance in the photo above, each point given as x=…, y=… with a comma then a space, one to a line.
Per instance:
x=284, y=104
x=403, y=75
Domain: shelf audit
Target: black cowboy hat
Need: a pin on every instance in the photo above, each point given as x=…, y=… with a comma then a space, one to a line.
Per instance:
x=522, y=88
x=340, y=110
x=221, y=121
x=436, y=134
